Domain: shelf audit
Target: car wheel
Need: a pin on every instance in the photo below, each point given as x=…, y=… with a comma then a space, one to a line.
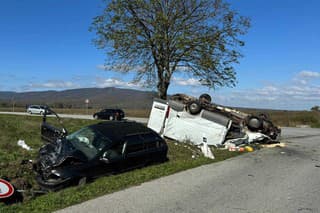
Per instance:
x=82, y=181
x=41, y=113
x=96, y=117
x=194, y=107
x=30, y=112
x=111, y=118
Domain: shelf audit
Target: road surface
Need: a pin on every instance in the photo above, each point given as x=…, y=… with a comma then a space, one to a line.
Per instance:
x=269, y=180
x=140, y=120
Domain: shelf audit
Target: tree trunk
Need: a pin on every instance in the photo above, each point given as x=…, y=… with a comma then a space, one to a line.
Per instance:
x=162, y=89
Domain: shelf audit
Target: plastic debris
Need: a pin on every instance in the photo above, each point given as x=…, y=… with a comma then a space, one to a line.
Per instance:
x=23, y=144
x=248, y=148
x=241, y=149
x=206, y=151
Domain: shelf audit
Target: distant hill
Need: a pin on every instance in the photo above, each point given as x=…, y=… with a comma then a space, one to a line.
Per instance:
x=98, y=97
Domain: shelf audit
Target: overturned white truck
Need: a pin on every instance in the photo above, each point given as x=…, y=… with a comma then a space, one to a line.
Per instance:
x=187, y=119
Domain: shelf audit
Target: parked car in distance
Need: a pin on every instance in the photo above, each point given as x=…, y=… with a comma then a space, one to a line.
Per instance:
x=37, y=109
x=95, y=150
x=109, y=114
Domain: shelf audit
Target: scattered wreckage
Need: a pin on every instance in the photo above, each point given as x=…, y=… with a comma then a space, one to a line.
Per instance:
x=188, y=119
x=93, y=151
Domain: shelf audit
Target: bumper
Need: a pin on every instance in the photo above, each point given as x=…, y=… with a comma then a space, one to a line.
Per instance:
x=53, y=185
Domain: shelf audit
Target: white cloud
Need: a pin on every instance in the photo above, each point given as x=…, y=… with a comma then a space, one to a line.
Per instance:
x=275, y=97
x=186, y=82
x=308, y=74
x=292, y=94
x=112, y=82
x=53, y=84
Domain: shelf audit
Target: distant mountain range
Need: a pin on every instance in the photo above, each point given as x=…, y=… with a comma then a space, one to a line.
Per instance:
x=98, y=98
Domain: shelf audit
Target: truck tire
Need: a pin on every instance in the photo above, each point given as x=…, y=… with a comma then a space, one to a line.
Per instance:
x=264, y=116
x=254, y=123
x=206, y=98
x=194, y=107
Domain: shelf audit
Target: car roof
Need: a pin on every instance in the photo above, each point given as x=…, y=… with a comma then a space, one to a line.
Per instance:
x=35, y=105
x=118, y=130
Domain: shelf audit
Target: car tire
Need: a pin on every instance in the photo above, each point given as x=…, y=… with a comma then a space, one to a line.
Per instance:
x=41, y=113
x=30, y=112
x=96, y=117
x=111, y=118
x=194, y=107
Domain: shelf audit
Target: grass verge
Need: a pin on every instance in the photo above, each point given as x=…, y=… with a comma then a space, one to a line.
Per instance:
x=13, y=128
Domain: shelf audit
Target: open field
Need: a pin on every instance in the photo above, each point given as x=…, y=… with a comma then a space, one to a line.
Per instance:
x=291, y=118
x=142, y=113
x=27, y=128
x=279, y=117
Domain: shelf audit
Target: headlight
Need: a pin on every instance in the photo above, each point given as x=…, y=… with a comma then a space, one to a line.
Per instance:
x=53, y=176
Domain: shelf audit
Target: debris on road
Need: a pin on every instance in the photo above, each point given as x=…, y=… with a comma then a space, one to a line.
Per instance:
x=274, y=145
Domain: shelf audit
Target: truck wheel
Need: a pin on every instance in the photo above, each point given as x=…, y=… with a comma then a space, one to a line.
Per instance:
x=194, y=107
x=254, y=123
x=264, y=116
x=206, y=98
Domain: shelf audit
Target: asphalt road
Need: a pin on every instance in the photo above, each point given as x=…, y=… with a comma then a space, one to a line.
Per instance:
x=89, y=117
x=269, y=180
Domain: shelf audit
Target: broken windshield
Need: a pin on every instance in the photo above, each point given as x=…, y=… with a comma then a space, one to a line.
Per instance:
x=89, y=141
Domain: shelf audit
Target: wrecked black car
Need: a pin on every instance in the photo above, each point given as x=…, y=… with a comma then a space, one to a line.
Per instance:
x=93, y=151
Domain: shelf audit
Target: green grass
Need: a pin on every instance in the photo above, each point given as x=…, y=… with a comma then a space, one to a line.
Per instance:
x=14, y=128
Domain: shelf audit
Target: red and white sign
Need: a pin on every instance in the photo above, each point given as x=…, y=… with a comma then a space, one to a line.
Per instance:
x=6, y=189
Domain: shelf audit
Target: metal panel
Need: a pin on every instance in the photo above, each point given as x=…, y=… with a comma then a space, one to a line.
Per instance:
x=176, y=106
x=215, y=117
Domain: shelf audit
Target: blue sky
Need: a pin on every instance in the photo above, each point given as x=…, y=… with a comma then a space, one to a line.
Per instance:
x=46, y=45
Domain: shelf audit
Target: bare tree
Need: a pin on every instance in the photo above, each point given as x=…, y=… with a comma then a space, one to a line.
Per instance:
x=157, y=38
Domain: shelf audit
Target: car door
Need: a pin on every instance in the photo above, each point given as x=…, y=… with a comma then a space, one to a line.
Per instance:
x=135, y=152
x=105, y=114
x=110, y=161
x=38, y=109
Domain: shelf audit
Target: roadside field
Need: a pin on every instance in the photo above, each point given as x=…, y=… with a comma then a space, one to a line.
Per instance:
x=143, y=113
x=278, y=117
x=14, y=128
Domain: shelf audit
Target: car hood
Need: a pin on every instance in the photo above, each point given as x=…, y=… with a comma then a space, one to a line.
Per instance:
x=59, y=153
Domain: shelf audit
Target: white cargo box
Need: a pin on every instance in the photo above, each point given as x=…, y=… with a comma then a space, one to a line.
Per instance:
x=172, y=120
